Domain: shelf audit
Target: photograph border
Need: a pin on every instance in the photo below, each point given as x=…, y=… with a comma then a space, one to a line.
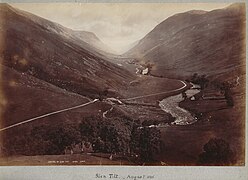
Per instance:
x=149, y=172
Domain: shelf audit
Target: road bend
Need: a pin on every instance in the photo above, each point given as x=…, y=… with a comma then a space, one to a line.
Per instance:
x=48, y=114
x=88, y=103
x=149, y=95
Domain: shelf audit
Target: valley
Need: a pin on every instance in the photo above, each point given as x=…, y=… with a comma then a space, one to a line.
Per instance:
x=64, y=88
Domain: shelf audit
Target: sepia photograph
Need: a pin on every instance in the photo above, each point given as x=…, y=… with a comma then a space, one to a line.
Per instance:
x=122, y=84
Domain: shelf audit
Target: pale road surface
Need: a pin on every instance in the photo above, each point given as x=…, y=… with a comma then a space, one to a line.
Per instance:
x=82, y=105
x=48, y=114
x=138, y=97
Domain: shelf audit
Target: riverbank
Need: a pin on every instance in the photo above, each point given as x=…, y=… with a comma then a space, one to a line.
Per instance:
x=171, y=105
x=215, y=120
x=141, y=102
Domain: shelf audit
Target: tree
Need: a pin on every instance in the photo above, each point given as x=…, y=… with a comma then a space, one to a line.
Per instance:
x=216, y=152
x=146, y=142
x=201, y=80
x=104, y=135
x=228, y=97
x=111, y=138
x=98, y=145
x=194, y=77
x=226, y=89
x=52, y=140
x=89, y=128
x=184, y=95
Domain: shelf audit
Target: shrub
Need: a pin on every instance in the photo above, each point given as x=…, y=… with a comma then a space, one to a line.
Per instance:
x=201, y=80
x=216, y=152
x=106, y=136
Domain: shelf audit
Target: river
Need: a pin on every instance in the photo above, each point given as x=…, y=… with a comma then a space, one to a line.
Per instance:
x=170, y=105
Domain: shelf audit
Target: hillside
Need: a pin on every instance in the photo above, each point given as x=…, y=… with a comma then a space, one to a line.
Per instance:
x=48, y=51
x=44, y=68
x=200, y=42
x=93, y=40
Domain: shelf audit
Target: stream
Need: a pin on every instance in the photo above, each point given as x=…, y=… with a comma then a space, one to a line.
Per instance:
x=170, y=105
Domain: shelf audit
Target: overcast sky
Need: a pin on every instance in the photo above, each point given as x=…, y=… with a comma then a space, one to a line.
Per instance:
x=117, y=25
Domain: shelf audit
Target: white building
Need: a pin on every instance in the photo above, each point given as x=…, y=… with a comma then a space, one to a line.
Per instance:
x=145, y=71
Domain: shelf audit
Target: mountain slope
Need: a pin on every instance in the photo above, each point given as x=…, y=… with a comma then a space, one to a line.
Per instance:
x=45, y=68
x=49, y=52
x=93, y=40
x=195, y=42
x=27, y=97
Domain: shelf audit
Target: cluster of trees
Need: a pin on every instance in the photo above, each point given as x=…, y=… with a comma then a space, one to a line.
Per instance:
x=105, y=136
x=201, y=80
x=149, y=65
x=50, y=140
x=217, y=152
x=141, y=142
x=115, y=136
x=43, y=140
x=145, y=143
x=226, y=88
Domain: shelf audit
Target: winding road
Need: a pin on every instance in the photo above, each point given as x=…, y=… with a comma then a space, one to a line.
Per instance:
x=85, y=104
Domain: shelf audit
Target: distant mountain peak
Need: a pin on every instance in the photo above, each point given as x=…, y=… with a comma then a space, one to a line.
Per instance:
x=197, y=12
x=236, y=6
x=92, y=39
x=90, y=34
x=5, y=5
